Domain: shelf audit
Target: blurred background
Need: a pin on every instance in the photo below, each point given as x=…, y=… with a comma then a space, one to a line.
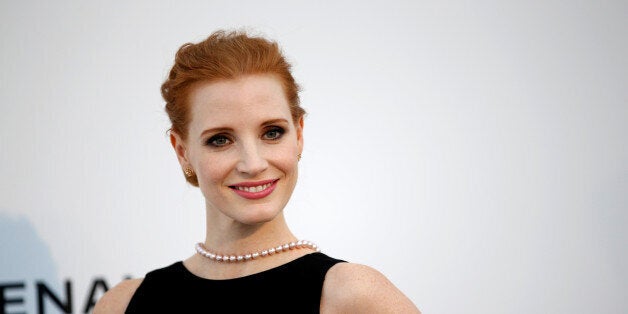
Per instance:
x=474, y=152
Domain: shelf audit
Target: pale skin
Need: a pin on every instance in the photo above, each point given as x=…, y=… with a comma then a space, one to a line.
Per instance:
x=242, y=131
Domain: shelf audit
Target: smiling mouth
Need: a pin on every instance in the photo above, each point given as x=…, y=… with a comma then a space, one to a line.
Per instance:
x=255, y=190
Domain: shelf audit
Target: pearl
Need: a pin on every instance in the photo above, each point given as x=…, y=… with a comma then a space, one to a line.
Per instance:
x=300, y=244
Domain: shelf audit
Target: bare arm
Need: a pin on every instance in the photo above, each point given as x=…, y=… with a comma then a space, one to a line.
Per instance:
x=117, y=298
x=354, y=288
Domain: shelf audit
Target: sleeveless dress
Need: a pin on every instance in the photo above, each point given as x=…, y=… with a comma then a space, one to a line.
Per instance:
x=294, y=287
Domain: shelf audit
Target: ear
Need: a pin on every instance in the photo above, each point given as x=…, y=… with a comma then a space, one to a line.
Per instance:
x=299, y=127
x=180, y=149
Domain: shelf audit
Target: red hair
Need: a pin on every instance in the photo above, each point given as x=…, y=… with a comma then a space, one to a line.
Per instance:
x=223, y=56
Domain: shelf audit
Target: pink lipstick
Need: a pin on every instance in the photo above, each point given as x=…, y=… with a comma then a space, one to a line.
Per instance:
x=254, y=190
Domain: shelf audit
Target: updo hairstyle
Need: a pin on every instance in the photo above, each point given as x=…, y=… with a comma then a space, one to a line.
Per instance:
x=223, y=56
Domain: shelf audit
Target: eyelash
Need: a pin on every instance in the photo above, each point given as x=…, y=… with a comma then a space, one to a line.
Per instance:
x=280, y=132
x=213, y=141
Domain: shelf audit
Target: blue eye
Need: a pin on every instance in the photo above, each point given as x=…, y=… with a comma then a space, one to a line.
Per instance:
x=274, y=133
x=218, y=141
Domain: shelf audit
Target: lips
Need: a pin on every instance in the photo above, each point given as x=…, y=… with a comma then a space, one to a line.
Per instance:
x=254, y=190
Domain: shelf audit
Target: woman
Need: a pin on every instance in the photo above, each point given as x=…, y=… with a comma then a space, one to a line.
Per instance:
x=237, y=131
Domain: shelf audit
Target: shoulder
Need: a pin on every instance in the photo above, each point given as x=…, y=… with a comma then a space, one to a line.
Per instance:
x=118, y=297
x=357, y=288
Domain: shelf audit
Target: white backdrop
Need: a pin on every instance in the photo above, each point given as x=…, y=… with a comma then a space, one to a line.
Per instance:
x=472, y=151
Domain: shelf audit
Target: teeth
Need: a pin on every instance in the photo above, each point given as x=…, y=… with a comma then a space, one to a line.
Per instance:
x=253, y=189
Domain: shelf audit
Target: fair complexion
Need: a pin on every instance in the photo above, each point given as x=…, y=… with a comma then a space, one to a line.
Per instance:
x=243, y=145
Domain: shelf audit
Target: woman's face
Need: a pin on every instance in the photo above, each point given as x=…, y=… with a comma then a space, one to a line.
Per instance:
x=243, y=146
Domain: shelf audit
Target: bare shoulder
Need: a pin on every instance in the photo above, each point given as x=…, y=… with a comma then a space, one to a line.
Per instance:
x=117, y=298
x=357, y=288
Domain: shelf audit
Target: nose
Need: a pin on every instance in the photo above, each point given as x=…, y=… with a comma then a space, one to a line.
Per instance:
x=251, y=162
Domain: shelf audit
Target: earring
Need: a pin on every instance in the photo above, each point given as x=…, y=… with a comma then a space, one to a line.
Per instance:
x=188, y=172
x=299, y=157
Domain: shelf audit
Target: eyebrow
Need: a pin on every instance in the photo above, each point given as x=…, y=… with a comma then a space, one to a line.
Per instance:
x=227, y=129
x=216, y=130
x=274, y=121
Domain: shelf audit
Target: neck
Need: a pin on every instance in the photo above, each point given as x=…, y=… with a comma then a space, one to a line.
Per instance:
x=229, y=236
x=226, y=236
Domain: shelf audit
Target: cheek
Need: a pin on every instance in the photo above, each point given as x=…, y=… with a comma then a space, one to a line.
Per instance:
x=211, y=175
x=287, y=160
x=213, y=169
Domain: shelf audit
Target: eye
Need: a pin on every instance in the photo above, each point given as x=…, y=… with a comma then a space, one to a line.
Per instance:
x=218, y=140
x=274, y=133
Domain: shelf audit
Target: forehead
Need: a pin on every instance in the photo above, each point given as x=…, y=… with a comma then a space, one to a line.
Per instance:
x=251, y=97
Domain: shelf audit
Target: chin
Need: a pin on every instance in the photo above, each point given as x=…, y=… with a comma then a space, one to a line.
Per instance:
x=258, y=216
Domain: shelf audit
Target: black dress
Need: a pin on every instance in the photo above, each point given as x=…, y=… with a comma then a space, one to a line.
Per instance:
x=294, y=287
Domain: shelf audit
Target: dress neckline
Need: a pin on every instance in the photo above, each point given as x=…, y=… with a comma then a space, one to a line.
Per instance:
x=188, y=274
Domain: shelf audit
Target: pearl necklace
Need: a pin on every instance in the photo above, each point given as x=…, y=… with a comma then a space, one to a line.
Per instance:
x=301, y=244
